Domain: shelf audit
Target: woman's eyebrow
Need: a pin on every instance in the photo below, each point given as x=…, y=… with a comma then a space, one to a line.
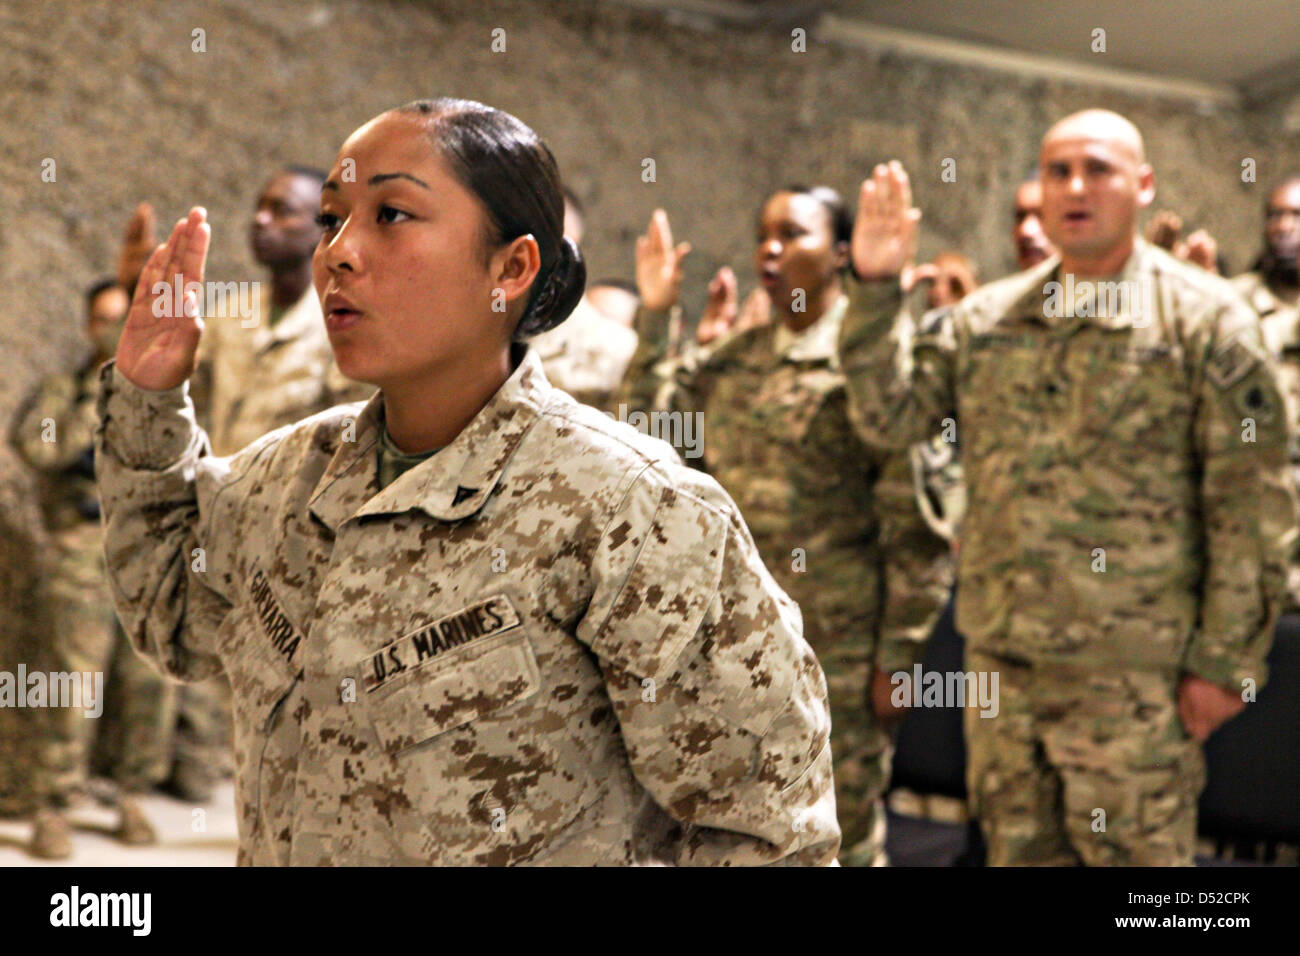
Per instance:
x=376, y=179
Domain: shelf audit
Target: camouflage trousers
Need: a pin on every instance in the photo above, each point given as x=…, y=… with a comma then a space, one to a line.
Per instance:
x=131, y=740
x=1082, y=766
x=862, y=754
x=204, y=730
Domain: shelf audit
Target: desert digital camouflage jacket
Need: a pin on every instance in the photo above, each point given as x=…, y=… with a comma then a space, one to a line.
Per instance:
x=837, y=522
x=1124, y=461
x=586, y=355
x=550, y=643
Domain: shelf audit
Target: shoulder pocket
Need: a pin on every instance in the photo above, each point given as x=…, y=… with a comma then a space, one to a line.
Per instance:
x=662, y=602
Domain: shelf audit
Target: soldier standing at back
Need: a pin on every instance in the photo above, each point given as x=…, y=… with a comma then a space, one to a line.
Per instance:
x=56, y=437
x=1273, y=290
x=1122, y=565
x=838, y=525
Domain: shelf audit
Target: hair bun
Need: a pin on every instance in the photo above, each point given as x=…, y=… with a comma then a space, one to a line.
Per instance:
x=559, y=293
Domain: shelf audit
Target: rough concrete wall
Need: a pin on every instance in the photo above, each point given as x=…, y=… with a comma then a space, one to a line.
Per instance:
x=115, y=95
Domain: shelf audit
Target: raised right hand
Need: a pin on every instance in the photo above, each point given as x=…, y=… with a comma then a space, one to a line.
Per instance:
x=137, y=244
x=1164, y=229
x=158, y=349
x=722, y=309
x=884, y=234
x=659, y=264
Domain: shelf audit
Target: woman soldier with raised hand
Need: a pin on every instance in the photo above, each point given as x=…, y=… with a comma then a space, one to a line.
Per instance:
x=471, y=621
x=837, y=522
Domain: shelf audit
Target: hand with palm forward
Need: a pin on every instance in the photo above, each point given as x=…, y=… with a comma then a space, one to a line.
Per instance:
x=884, y=233
x=159, y=344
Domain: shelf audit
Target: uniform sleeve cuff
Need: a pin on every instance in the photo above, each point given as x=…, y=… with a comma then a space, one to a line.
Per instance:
x=144, y=429
x=899, y=655
x=1227, y=672
x=654, y=326
x=868, y=300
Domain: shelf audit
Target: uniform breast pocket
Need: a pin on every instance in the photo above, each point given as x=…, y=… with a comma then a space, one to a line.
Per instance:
x=812, y=394
x=1131, y=395
x=475, y=683
x=998, y=395
x=471, y=766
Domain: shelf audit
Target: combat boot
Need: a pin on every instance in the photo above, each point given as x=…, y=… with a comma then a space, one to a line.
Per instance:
x=135, y=828
x=51, y=836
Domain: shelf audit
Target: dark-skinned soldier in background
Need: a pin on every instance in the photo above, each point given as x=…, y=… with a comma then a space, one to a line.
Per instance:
x=838, y=526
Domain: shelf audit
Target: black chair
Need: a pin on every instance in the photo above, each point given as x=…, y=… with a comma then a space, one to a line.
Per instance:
x=1252, y=794
x=930, y=756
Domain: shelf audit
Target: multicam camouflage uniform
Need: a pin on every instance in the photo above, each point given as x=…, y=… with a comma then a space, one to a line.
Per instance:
x=1116, y=442
x=837, y=525
x=547, y=643
x=586, y=355
x=1280, y=322
x=250, y=381
x=55, y=437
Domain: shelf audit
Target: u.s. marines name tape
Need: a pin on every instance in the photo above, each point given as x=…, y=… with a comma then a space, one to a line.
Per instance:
x=483, y=619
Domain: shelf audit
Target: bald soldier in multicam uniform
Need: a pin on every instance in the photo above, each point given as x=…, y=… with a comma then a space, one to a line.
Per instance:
x=1273, y=290
x=838, y=525
x=1122, y=562
x=55, y=436
x=471, y=622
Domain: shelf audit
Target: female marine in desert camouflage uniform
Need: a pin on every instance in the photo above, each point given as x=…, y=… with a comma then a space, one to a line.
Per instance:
x=470, y=621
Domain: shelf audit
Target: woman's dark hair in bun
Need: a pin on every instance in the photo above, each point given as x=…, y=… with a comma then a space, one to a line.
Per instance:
x=513, y=173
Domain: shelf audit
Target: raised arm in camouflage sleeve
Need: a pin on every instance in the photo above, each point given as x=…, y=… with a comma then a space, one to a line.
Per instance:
x=721, y=702
x=916, y=567
x=900, y=387
x=1247, y=503
x=152, y=461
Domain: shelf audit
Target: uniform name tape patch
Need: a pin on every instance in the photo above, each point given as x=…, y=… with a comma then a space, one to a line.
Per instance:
x=492, y=616
x=284, y=637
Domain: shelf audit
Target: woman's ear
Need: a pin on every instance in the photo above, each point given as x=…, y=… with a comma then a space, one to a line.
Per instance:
x=514, y=267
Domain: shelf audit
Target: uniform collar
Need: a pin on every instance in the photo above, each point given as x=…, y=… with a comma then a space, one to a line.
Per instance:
x=818, y=342
x=1261, y=297
x=1043, y=286
x=451, y=485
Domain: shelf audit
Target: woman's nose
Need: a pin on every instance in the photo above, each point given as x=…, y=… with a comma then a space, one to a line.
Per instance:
x=340, y=253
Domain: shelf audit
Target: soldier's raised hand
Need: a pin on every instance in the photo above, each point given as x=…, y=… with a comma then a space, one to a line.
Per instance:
x=722, y=310
x=159, y=344
x=1201, y=249
x=138, y=243
x=1164, y=229
x=756, y=310
x=659, y=264
x=884, y=235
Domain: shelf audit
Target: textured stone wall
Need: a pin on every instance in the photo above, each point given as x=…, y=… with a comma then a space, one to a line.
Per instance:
x=115, y=95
